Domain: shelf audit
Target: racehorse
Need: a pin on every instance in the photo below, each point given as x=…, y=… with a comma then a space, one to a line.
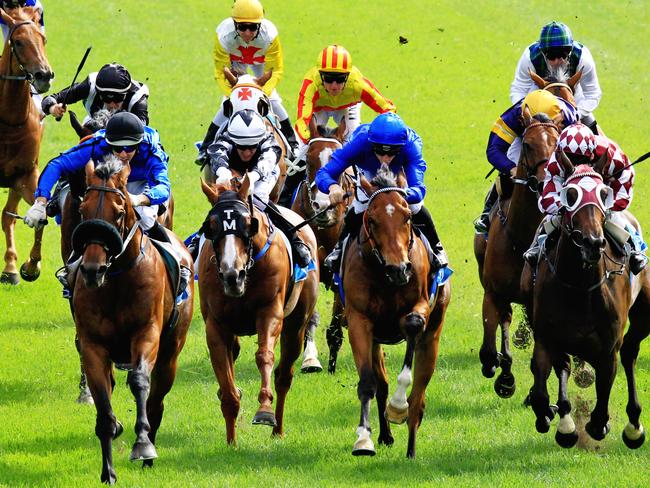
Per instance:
x=583, y=296
x=246, y=288
x=327, y=227
x=125, y=310
x=386, y=282
x=23, y=62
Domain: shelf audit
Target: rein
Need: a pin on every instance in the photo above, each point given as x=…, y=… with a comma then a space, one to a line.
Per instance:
x=27, y=76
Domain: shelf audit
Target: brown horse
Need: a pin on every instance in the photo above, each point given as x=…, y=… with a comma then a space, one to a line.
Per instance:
x=387, y=281
x=125, y=311
x=23, y=62
x=582, y=299
x=247, y=289
x=499, y=258
x=327, y=227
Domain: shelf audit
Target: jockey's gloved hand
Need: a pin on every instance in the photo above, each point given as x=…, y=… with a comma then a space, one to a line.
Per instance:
x=202, y=159
x=223, y=175
x=336, y=194
x=36, y=217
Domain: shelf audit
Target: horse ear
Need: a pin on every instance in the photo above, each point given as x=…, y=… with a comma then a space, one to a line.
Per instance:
x=538, y=80
x=232, y=79
x=573, y=81
x=227, y=108
x=263, y=106
x=367, y=187
x=6, y=19
x=244, y=188
x=526, y=117
x=401, y=179
x=565, y=162
x=33, y=13
x=261, y=81
x=210, y=191
x=76, y=125
x=340, y=130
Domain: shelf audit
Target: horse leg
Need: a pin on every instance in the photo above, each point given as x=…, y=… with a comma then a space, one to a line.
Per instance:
x=310, y=362
x=269, y=325
x=598, y=425
x=10, y=271
x=107, y=428
x=334, y=333
x=31, y=269
x=221, y=357
x=84, y=398
x=360, y=335
x=379, y=368
x=566, y=434
x=504, y=385
x=139, y=382
x=540, y=366
x=634, y=433
x=488, y=352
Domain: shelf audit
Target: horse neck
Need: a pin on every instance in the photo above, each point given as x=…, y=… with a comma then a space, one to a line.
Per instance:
x=523, y=213
x=15, y=99
x=133, y=247
x=569, y=267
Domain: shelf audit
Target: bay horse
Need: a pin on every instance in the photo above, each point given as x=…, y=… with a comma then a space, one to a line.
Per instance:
x=500, y=258
x=327, y=227
x=386, y=281
x=125, y=311
x=23, y=64
x=583, y=297
x=246, y=288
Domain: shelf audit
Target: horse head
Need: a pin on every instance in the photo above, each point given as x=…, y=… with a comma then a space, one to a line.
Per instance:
x=247, y=93
x=584, y=199
x=108, y=219
x=387, y=226
x=538, y=143
x=26, y=45
x=231, y=226
x=558, y=83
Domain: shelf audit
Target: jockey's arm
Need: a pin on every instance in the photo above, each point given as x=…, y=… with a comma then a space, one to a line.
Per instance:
x=219, y=153
x=68, y=162
x=497, y=154
x=275, y=62
x=72, y=94
x=549, y=201
x=306, y=102
x=270, y=154
x=221, y=60
x=591, y=92
x=341, y=159
x=141, y=109
x=522, y=84
x=157, y=179
x=619, y=176
x=373, y=98
x=415, y=169
x=504, y=132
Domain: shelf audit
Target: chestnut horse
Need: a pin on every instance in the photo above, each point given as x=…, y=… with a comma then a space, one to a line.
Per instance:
x=386, y=281
x=247, y=288
x=327, y=227
x=125, y=311
x=583, y=297
x=23, y=62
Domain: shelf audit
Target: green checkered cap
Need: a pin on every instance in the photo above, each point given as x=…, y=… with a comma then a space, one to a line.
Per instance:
x=555, y=34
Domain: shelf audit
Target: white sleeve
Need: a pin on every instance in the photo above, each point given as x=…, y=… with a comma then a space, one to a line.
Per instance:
x=522, y=85
x=591, y=91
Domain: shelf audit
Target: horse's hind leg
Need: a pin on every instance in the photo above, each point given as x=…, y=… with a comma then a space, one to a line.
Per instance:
x=31, y=269
x=10, y=271
x=310, y=362
x=540, y=366
x=488, y=352
x=504, y=385
x=567, y=434
x=334, y=333
x=139, y=382
x=379, y=368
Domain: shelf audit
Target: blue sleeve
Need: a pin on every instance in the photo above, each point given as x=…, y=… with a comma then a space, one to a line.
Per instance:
x=415, y=168
x=497, y=153
x=341, y=159
x=158, y=179
x=68, y=162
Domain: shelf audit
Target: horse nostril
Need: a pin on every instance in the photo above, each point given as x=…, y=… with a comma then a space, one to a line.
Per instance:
x=316, y=205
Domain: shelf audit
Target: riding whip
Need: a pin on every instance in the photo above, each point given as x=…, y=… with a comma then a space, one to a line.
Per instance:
x=638, y=160
x=79, y=68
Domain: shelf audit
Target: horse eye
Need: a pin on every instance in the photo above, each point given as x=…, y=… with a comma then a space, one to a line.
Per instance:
x=571, y=196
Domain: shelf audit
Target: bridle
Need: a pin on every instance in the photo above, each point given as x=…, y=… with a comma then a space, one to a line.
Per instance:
x=26, y=76
x=531, y=181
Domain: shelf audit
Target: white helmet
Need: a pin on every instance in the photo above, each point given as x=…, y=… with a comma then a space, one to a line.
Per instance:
x=246, y=128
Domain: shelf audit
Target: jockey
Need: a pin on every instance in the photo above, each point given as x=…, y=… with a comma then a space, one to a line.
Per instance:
x=582, y=147
x=247, y=147
x=7, y=5
x=111, y=88
x=386, y=141
x=556, y=48
x=248, y=40
x=332, y=89
x=504, y=144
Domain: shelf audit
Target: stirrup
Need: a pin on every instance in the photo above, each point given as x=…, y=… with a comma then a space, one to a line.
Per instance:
x=638, y=262
x=531, y=256
x=301, y=252
x=482, y=224
x=332, y=260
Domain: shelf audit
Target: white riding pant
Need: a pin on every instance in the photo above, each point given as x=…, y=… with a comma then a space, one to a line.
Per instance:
x=351, y=115
x=147, y=213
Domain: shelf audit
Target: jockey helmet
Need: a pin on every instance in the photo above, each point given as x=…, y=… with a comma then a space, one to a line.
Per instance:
x=555, y=34
x=541, y=101
x=124, y=129
x=577, y=139
x=334, y=59
x=246, y=128
x=113, y=78
x=12, y=3
x=388, y=130
x=247, y=11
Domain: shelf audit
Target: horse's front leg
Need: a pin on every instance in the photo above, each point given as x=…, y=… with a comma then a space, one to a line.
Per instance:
x=334, y=332
x=269, y=326
x=540, y=366
x=504, y=385
x=360, y=335
x=379, y=368
x=31, y=269
x=10, y=271
x=598, y=425
x=488, y=352
x=567, y=434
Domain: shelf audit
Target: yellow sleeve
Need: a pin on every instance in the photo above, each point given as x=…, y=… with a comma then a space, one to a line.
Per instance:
x=306, y=101
x=274, y=61
x=221, y=59
x=373, y=98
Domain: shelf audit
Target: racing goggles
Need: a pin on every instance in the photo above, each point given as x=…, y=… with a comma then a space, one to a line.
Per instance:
x=112, y=97
x=556, y=53
x=386, y=149
x=339, y=78
x=252, y=147
x=126, y=149
x=247, y=26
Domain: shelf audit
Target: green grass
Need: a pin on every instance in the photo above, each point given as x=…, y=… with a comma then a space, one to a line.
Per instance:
x=449, y=82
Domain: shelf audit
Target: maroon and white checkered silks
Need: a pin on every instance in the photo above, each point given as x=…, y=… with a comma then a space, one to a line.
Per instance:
x=577, y=139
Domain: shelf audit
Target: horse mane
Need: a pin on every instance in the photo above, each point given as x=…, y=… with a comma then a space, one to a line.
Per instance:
x=108, y=167
x=327, y=132
x=558, y=74
x=99, y=120
x=542, y=117
x=384, y=178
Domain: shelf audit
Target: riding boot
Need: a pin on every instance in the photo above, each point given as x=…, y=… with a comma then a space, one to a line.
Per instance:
x=203, y=158
x=185, y=277
x=67, y=274
x=158, y=233
x=287, y=131
x=351, y=225
x=290, y=185
x=422, y=219
x=638, y=262
x=301, y=252
x=193, y=246
x=482, y=223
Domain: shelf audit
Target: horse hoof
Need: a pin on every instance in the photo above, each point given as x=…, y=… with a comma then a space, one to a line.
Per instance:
x=504, y=385
x=364, y=447
x=311, y=365
x=85, y=398
x=386, y=440
x=265, y=418
x=630, y=442
x=30, y=276
x=118, y=430
x=147, y=463
x=9, y=278
x=143, y=451
x=396, y=415
x=489, y=370
x=595, y=434
x=219, y=393
x=566, y=440
x=109, y=478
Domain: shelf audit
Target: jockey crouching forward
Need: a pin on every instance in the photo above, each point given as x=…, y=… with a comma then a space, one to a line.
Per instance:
x=332, y=89
x=582, y=147
x=386, y=141
x=247, y=147
x=504, y=144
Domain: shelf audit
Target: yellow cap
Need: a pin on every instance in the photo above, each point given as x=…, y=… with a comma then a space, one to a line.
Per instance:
x=247, y=11
x=334, y=58
x=542, y=101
